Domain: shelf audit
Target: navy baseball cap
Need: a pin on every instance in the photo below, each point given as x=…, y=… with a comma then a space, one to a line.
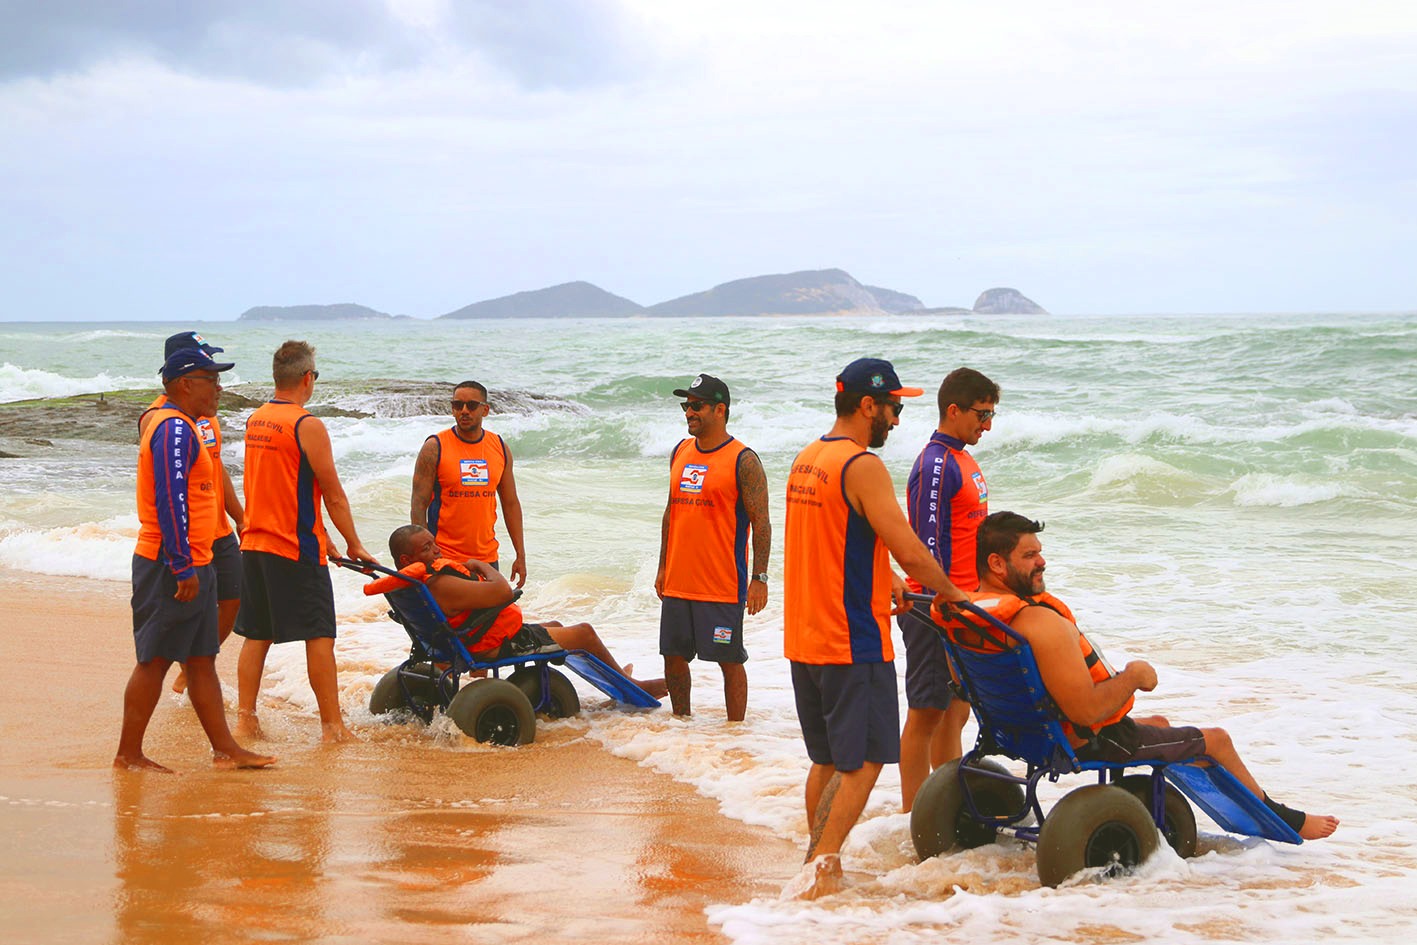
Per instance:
x=187, y=360
x=187, y=339
x=873, y=376
x=706, y=387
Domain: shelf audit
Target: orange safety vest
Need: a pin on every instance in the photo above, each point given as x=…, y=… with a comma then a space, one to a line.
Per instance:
x=1005, y=607
x=706, y=557
x=462, y=513
x=837, y=572
x=203, y=496
x=282, y=494
x=210, y=432
x=504, y=625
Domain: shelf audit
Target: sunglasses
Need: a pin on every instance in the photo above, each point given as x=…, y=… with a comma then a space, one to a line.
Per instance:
x=984, y=415
x=314, y=374
x=895, y=405
x=694, y=405
x=460, y=405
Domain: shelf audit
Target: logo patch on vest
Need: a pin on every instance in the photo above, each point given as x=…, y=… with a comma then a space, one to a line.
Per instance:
x=205, y=431
x=693, y=478
x=474, y=472
x=723, y=634
x=981, y=485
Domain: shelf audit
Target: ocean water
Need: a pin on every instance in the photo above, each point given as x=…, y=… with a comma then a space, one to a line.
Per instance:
x=1231, y=498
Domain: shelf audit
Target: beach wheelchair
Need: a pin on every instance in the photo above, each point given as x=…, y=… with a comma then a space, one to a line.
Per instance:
x=488, y=708
x=1110, y=826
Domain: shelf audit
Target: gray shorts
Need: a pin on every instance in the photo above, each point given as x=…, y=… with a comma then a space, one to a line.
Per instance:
x=927, y=672
x=710, y=630
x=1127, y=740
x=226, y=558
x=849, y=713
x=168, y=629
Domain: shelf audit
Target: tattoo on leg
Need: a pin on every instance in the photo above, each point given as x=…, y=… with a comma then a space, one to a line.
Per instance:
x=679, y=686
x=824, y=808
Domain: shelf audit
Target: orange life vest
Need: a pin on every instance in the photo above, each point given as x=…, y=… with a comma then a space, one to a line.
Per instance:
x=706, y=557
x=209, y=430
x=462, y=513
x=283, y=515
x=504, y=625
x=1005, y=607
x=837, y=572
x=203, y=496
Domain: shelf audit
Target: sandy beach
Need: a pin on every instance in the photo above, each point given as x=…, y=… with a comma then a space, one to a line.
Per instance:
x=405, y=836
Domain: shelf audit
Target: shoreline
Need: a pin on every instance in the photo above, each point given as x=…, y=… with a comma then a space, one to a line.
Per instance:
x=405, y=834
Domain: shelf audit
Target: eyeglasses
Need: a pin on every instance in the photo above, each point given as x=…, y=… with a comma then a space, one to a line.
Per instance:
x=984, y=415
x=694, y=405
x=210, y=378
x=314, y=374
x=460, y=405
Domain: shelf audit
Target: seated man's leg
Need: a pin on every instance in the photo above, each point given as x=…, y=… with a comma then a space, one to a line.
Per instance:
x=582, y=636
x=1221, y=747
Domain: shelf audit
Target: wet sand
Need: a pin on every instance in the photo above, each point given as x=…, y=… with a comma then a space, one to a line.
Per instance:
x=402, y=837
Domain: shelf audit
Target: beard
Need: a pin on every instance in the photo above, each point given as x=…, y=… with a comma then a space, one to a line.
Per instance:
x=1024, y=583
x=880, y=429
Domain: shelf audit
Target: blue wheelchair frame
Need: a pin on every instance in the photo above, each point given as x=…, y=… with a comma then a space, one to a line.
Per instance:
x=1018, y=719
x=441, y=650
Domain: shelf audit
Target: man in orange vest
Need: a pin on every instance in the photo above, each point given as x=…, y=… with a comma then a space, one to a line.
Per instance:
x=226, y=548
x=1011, y=567
x=286, y=594
x=460, y=477
x=844, y=525
x=174, y=583
x=717, y=494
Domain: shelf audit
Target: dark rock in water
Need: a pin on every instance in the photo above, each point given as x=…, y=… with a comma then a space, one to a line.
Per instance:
x=571, y=299
x=310, y=313
x=897, y=303
x=38, y=442
x=5, y=455
x=1005, y=301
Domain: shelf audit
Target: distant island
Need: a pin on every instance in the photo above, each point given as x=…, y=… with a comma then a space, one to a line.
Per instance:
x=809, y=292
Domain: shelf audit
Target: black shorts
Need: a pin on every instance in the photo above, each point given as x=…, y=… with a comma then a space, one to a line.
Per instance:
x=529, y=639
x=1126, y=741
x=849, y=713
x=168, y=629
x=927, y=672
x=284, y=601
x=226, y=558
x=710, y=630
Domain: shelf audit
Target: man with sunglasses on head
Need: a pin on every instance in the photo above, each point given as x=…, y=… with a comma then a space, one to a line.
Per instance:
x=717, y=494
x=947, y=499
x=460, y=476
x=286, y=595
x=844, y=525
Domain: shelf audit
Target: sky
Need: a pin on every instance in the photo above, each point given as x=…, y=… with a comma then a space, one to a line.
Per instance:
x=189, y=159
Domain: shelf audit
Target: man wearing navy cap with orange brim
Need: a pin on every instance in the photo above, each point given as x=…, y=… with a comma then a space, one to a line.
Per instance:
x=174, y=583
x=226, y=547
x=844, y=525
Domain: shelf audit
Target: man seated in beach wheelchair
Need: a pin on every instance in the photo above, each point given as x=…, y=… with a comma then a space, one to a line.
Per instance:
x=1043, y=694
x=462, y=619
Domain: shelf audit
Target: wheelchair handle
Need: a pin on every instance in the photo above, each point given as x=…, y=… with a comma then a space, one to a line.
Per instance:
x=970, y=606
x=369, y=570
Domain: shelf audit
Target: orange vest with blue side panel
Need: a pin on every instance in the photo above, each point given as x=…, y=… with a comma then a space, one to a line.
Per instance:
x=209, y=431
x=283, y=515
x=837, y=580
x=706, y=557
x=462, y=513
x=179, y=499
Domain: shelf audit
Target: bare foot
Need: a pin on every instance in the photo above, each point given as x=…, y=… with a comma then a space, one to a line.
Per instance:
x=1318, y=826
x=819, y=877
x=654, y=687
x=241, y=758
x=332, y=733
x=179, y=685
x=139, y=763
x=247, y=726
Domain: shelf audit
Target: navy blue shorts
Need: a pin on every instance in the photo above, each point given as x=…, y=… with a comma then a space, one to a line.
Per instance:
x=284, y=601
x=1129, y=741
x=168, y=629
x=226, y=558
x=849, y=713
x=927, y=672
x=710, y=630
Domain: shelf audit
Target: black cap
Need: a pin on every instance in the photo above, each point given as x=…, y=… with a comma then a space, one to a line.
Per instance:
x=707, y=388
x=187, y=339
x=873, y=376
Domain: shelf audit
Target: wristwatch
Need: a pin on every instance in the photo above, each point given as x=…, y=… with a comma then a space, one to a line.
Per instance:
x=761, y=577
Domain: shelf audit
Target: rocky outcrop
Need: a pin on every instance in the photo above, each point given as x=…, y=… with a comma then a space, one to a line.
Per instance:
x=897, y=303
x=343, y=311
x=574, y=299
x=1005, y=301
x=810, y=292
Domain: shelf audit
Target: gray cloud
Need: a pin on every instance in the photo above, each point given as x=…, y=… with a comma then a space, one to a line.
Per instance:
x=537, y=43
